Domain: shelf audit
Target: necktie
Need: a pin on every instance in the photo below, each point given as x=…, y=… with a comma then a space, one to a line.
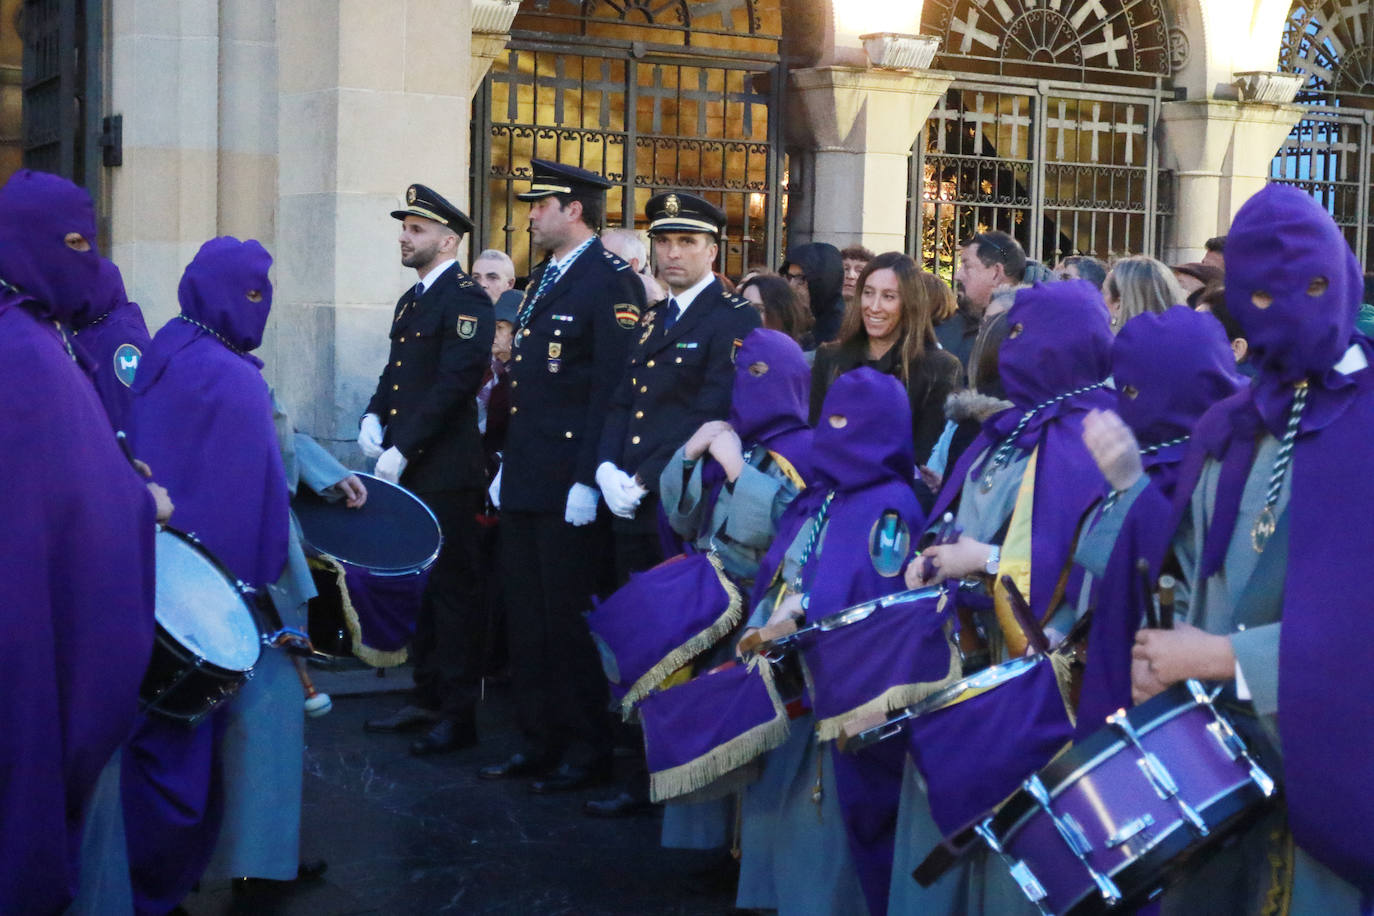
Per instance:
x=419, y=290
x=671, y=318
x=549, y=278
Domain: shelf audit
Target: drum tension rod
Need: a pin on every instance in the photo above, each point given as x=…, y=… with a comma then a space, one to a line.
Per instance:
x=1073, y=836
x=1020, y=872
x=1165, y=786
x=1231, y=742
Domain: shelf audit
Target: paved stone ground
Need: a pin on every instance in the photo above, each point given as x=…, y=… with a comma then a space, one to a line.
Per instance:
x=410, y=836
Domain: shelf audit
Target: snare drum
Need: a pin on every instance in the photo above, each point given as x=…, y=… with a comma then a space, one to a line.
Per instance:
x=207, y=636
x=377, y=558
x=1111, y=822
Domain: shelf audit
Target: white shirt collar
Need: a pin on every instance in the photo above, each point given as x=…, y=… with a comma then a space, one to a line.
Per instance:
x=685, y=298
x=434, y=274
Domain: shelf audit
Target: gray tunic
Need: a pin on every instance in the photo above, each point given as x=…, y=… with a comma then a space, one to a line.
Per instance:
x=743, y=521
x=1238, y=879
x=264, y=740
x=794, y=852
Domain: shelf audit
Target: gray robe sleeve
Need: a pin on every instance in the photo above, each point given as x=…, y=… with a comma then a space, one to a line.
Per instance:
x=756, y=503
x=318, y=469
x=682, y=502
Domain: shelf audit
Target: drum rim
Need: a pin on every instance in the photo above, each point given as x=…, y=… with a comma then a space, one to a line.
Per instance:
x=235, y=583
x=1085, y=756
x=1155, y=868
x=386, y=571
x=948, y=696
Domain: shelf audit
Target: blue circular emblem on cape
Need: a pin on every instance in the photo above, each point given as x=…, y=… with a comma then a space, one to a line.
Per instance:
x=888, y=544
x=126, y=358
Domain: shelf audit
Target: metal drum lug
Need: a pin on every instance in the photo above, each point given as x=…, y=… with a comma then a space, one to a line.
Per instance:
x=1072, y=834
x=1130, y=830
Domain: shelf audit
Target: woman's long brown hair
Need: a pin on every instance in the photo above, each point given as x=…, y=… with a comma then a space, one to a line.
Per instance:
x=915, y=328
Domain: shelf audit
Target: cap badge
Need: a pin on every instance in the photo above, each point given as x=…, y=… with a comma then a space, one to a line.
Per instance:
x=410, y=194
x=672, y=206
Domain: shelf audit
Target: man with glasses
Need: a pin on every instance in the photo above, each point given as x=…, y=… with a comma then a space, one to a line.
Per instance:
x=986, y=261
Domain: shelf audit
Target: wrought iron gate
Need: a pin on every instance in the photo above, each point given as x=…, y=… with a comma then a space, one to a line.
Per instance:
x=61, y=87
x=1063, y=172
x=1048, y=134
x=648, y=117
x=1327, y=153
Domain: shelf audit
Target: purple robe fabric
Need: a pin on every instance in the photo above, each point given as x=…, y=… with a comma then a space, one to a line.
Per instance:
x=1059, y=342
x=1161, y=400
x=104, y=330
x=861, y=451
x=76, y=556
x=687, y=722
x=1281, y=243
x=636, y=629
x=202, y=419
x=893, y=647
x=387, y=606
x=976, y=753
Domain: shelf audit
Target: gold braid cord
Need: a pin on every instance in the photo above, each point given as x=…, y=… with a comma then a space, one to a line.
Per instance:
x=365, y=653
x=1278, y=898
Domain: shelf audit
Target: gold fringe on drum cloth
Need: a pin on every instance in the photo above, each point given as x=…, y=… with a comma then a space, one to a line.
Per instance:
x=365, y=653
x=890, y=700
x=697, y=774
x=652, y=679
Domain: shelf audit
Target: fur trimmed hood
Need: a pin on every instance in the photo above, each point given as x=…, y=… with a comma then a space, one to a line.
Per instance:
x=973, y=405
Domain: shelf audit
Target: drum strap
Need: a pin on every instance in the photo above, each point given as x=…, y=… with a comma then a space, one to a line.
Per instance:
x=1278, y=898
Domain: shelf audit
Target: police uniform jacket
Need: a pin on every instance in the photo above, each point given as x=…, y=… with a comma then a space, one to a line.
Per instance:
x=426, y=395
x=675, y=381
x=568, y=358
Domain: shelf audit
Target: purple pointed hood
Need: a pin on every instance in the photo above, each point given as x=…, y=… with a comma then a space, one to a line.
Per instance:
x=1058, y=341
x=226, y=289
x=37, y=212
x=768, y=405
x=1292, y=283
x=106, y=294
x=1161, y=399
x=863, y=436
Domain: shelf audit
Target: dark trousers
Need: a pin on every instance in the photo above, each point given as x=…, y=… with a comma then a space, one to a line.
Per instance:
x=560, y=689
x=450, y=629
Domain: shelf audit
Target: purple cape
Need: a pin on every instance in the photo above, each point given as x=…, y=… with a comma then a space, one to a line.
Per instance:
x=861, y=451
x=76, y=557
x=1294, y=285
x=1161, y=400
x=202, y=419
x=110, y=333
x=1059, y=342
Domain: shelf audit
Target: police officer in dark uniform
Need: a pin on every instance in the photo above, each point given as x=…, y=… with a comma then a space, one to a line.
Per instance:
x=421, y=425
x=575, y=324
x=680, y=372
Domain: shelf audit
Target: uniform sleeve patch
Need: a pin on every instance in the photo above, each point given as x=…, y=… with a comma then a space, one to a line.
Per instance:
x=467, y=326
x=627, y=314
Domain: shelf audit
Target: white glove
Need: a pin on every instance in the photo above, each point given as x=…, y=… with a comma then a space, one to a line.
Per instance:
x=391, y=465
x=619, y=489
x=370, y=435
x=494, y=491
x=581, y=508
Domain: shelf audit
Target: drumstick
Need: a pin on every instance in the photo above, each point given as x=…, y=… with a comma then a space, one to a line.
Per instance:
x=1166, y=602
x=1024, y=618
x=1142, y=566
x=316, y=703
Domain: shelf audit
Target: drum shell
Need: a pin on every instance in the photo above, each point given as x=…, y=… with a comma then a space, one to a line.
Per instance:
x=1102, y=787
x=181, y=686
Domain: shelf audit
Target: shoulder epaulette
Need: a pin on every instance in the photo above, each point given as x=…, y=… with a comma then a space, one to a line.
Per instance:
x=736, y=301
x=616, y=260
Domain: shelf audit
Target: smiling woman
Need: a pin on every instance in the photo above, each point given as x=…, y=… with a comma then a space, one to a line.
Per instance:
x=890, y=327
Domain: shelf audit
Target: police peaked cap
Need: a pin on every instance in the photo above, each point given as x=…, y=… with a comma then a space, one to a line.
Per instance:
x=556, y=178
x=426, y=202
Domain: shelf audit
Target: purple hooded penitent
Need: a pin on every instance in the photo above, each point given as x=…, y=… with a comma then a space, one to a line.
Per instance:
x=1160, y=398
x=1294, y=285
x=76, y=555
x=202, y=419
x=110, y=333
x=769, y=403
x=861, y=452
x=1056, y=356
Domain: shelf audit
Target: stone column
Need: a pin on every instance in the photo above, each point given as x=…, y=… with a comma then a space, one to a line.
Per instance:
x=164, y=80
x=373, y=95
x=1220, y=153
x=862, y=123
x=491, y=21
